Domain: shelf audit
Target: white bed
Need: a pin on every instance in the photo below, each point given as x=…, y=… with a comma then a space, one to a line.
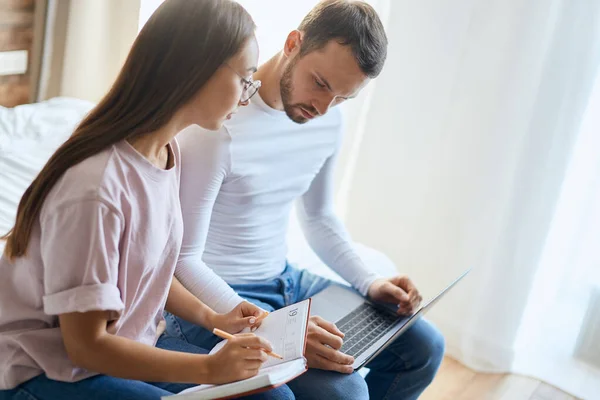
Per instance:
x=30, y=133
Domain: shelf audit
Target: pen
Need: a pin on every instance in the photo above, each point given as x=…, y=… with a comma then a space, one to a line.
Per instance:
x=225, y=335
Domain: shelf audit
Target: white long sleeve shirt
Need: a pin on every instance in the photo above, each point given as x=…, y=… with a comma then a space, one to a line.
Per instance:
x=238, y=186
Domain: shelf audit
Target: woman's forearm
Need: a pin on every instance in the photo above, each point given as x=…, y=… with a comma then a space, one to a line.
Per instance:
x=184, y=304
x=89, y=346
x=124, y=358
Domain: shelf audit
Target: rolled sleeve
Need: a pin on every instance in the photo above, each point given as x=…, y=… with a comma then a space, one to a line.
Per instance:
x=99, y=297
x=80, y=250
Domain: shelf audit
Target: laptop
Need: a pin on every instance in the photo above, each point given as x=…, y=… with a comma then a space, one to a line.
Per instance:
x=368, y=327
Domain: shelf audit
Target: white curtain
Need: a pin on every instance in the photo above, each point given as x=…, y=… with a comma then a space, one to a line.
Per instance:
x=569, y=271
x=463, y=155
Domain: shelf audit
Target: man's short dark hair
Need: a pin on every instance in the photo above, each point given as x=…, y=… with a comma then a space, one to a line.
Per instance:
x=352, y=23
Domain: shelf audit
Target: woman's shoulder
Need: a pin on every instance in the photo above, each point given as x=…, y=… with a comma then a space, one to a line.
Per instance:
x=87, y=180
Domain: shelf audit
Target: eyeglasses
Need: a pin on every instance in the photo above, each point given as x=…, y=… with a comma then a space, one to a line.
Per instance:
x=250, y=86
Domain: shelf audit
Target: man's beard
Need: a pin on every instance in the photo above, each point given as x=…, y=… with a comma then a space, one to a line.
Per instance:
x=286, y=89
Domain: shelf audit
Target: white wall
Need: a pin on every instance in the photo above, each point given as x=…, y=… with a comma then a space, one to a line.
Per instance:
x=99, y=35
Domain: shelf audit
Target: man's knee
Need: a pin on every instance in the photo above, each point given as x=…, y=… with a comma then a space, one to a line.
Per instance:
x=431, y=348
x=345, y=386
x=420, y=350
x=319, y=384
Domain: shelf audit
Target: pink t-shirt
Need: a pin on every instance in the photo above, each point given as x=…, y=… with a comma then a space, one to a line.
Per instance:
x=108, y=238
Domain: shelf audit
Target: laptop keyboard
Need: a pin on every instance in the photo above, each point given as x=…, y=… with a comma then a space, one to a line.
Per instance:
x=363, y=327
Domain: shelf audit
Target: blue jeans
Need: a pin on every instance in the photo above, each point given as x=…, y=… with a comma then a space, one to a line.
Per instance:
x=103, y=387
x=402, y=371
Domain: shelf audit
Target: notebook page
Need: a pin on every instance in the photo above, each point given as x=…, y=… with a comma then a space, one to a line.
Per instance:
x=285, y=329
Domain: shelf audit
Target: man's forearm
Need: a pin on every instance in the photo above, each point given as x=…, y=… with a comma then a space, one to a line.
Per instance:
x=206, y=285
x=328, y=238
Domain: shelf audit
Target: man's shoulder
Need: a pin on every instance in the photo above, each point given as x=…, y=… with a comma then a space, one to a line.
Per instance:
x=336, y=115
x=197, y=140
x=252, y=118
x=332, y=120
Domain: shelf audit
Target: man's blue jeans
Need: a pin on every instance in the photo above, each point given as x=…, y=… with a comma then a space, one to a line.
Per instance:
x=402, y=371
x=102, y=387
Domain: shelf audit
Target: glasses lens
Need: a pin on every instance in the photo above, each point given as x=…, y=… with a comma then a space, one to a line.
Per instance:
x=250, y=91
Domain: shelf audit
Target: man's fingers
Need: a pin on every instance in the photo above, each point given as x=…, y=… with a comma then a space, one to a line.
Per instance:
x=404, y=311
x=321, y=336
x=413, y=294
x=328, y=326
x=406, y=284
x=416, y=302
x=400, y=295
x=335, y=355
x=321, y=362
x=406, y=308
x=410, y=307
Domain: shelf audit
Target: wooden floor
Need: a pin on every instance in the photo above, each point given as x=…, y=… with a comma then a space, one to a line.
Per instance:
x=456, y=382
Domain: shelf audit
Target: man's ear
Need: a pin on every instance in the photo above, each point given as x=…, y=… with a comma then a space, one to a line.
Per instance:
x=293, y=43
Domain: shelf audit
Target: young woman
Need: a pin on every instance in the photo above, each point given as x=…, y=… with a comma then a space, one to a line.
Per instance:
x=88, y=266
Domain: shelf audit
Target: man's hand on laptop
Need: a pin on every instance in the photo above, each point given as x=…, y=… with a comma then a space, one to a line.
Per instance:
x=397, y=290
x=324, y=340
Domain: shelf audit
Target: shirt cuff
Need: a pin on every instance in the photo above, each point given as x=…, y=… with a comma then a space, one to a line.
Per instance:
x=365, y=283
x=224, y=306
x=99, y=297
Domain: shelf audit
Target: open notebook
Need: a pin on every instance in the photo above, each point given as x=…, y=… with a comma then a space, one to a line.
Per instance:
x=286, y=330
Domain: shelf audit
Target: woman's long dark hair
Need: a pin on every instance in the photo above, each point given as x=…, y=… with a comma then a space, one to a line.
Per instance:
x=175, y=54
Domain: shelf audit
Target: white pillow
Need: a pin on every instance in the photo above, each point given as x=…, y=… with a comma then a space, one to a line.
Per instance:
x=29, y=134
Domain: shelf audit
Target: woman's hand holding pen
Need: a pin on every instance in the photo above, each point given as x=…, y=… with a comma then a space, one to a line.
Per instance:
x=240, y=358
